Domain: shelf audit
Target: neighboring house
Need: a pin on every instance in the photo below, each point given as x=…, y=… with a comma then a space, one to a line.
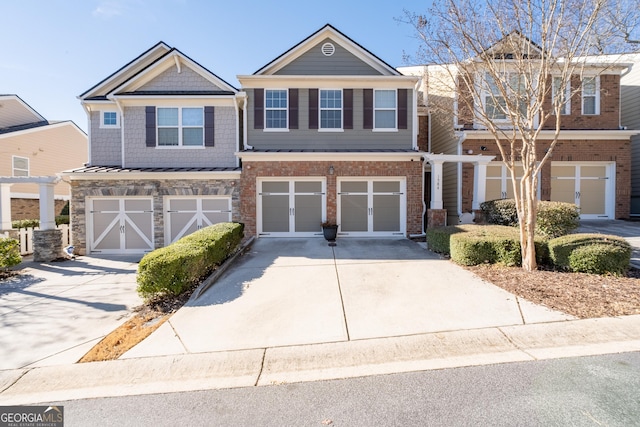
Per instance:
x=630, y=111
x=35, y=146
x=590, y=166
x=163, y=136
x=331, y=134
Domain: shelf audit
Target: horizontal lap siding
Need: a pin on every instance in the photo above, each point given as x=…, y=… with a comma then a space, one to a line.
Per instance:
x=305, y=138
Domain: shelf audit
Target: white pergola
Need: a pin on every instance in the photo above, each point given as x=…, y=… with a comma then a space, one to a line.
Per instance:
x=47, y=199
x=479, y=162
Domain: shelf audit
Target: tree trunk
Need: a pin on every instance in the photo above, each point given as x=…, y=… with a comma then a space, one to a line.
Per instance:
x=527, y=233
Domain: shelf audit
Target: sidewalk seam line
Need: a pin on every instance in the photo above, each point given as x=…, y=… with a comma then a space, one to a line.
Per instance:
x=520, y=310
x=516, y=345
x=178, y=336
x=264, y=356
x=17, y=379
x=344, y=312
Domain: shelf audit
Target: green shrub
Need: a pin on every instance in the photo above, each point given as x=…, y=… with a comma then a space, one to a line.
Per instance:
x=9, y=253
x=62, y=219
x=438, y=238
x=555, y=219
x=25, y=223
x=599, y=258
x=560, y=248
x=175, y=268
x=500, y=212
x=486, y=244
x=65, y=210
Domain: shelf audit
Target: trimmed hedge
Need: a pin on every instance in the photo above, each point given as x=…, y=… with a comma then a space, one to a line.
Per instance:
x=175, y=268
x=600, y=258
x=9, y=252
x=562, y=249
x=553, y=219
x=477, y=244
x=28, y=223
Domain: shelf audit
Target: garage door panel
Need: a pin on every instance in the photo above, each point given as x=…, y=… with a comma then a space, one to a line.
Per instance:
x=216, y=217
x=134, y=239
x=307, y=187
x=183, y=205
x=591, y=200
x=137, y=205
x=308, y=212
x=386, y=215
x=215, y=204
x=182, y=223
x=386, y=186
x=275, y=213
x=107, y=239
x=563, y=190
x=354, y=215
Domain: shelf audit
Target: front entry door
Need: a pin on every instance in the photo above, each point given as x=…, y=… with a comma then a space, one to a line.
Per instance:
x=290, y=207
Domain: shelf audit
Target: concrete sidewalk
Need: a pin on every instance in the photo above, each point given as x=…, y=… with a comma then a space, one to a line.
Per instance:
x=53, y=313
x=291, y=292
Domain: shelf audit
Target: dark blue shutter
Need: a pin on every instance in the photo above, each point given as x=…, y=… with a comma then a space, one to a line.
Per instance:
x=367, y=120
x=348, y=108
x=402, y=108
x=209, y=127
x=293, y=108
x=150, y=125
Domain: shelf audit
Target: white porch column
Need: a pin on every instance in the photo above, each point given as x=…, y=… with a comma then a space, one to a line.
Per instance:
x=479, y=184
x=5, y=206
x=436, y=184
x=47, y=206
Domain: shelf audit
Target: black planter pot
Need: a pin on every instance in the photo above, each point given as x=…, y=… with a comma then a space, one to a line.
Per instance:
x=330, y=232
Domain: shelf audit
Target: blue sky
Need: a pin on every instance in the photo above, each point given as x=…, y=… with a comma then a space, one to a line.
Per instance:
x=55, y=50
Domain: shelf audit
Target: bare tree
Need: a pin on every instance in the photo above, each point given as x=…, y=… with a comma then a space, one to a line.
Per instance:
x=514, y=64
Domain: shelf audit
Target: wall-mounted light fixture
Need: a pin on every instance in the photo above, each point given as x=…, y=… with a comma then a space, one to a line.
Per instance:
x=331, y=170
x=483, y=148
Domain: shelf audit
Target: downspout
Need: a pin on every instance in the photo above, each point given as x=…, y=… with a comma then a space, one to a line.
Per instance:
x=236, y=109
x=245, y=125
x=424, y=205
x=87, y=110
x=461, y=137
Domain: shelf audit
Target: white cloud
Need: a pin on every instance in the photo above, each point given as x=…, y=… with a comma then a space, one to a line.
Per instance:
x=108, y=9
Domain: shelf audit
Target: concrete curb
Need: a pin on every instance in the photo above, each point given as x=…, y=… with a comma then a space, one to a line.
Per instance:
x=247, y=368
x=209, y=281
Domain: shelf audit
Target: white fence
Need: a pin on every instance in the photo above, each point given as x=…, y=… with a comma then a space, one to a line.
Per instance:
x=26, y=238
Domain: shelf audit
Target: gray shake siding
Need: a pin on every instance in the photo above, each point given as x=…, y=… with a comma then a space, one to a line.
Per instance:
x=187, y=79
x=155, y=188
x=341, y=63
x=305, y=138
x=137, y=154
x=106, y=149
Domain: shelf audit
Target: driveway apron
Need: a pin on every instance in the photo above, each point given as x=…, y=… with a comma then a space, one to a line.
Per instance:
x=286, y=292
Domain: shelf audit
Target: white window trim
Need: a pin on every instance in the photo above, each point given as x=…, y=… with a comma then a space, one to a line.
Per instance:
x=284, y=129
x=13, y=166
x=395, y=110
x=486, y=93
x=597, y=97
x=105, y=126
x=567, y=96
x=320, y=128
x=180, y=127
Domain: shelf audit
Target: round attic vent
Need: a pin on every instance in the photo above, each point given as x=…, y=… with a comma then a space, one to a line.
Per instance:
x=328, y=49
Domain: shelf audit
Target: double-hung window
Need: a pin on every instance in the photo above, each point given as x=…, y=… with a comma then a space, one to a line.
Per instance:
x=562, y=97
x=591, y=95
x=181, y=127
x=331, y=109
x=275, y=109
x=494, y=103
x=384, y=105
x=20, y=166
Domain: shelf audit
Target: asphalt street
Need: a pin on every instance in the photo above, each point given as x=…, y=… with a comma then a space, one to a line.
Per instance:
x=585, y=391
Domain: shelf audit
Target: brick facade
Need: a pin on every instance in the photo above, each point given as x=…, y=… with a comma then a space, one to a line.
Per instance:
x=412, y=170
x=156, y=188
x=30, y=208
x=618, y=151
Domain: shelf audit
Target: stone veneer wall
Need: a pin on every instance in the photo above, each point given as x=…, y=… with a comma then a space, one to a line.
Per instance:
x=156, y=188
x=412, y=170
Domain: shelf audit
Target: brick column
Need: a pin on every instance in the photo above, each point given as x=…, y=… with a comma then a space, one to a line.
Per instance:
x=436, y=218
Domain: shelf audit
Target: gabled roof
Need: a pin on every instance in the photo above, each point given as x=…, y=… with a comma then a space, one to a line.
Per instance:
x=513, y=39
x=171, y=58
x=327, y=31
x=119, y=76
x=16, y=112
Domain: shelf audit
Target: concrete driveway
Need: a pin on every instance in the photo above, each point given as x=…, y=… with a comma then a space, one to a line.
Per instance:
x=53, y=313
x=286, y=292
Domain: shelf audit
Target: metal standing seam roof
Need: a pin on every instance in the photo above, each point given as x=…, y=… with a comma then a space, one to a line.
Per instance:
x=117, y=169
x=320, y=150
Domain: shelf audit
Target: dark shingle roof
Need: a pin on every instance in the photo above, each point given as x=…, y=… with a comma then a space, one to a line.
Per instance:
x=24, y=127
x=176, y=92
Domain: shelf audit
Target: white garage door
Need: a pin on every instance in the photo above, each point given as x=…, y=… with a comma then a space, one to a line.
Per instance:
x=120, y=225
x=372, y=206
x=184, y=215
